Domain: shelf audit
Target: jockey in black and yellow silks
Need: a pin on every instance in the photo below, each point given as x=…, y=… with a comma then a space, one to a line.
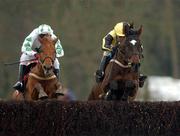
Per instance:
x=109, y=41
x=109, y=46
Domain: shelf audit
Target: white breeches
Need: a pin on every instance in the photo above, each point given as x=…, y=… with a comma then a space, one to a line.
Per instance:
x=24, y=60
x=106, y=53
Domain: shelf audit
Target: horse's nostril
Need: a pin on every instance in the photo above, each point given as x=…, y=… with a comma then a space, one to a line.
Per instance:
x=48, y=67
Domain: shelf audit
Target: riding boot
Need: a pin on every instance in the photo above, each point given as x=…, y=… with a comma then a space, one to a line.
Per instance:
x=142, y=79
x=20, y=84
x=100, y=71
x=56, y=72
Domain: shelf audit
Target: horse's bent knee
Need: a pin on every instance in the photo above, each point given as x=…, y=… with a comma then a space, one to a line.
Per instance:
x=17, y=96
x=41, y=93
x=60, y=90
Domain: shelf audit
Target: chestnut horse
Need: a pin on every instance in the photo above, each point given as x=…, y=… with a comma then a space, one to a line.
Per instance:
x=41, y=81
x=121, y=79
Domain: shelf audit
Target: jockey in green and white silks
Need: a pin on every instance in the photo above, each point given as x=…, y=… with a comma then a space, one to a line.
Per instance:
x=31, y=42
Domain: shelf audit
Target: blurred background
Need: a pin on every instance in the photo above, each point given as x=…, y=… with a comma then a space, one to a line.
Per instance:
x=81, y=25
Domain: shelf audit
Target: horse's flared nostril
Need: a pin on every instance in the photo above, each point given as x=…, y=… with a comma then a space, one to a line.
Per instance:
x=44, y=67
x=48, y=67
x=135, y=59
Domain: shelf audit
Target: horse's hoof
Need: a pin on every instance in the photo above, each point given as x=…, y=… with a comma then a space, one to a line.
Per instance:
x=43, y=98
x=101, y=96
x=108, y=96
x=124, y=99
x=59, y=94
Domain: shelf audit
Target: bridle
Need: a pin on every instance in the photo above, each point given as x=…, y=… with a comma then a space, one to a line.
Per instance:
x=122, y=53
x=40, y=77
x=41, y=61
x=116, y=61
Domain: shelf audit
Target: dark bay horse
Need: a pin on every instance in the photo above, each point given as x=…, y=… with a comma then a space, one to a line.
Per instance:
x=121, y=80
x=41, y=81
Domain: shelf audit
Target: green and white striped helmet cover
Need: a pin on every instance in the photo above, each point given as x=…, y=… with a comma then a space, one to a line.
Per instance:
x=45, y=29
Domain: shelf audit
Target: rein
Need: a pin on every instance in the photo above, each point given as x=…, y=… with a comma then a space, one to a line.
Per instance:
x=114, y=60
x=117, y=62
x=42, y=61
x=17, y=62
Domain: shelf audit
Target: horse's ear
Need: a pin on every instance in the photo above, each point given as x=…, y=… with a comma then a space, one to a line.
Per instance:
x=140, y=30
x=131, y=25
x=55, y=41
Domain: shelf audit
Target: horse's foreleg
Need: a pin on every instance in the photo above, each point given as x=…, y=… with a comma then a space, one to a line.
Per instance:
x=133, y=92
x=129, y=88
x=28, y=92
x=133, y=95
x=17, y=96
x=28, y=97
x=42, y=95
x=59, y=92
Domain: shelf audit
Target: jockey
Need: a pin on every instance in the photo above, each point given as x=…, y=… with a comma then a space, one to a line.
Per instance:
x=28, y=53
x=109, y=46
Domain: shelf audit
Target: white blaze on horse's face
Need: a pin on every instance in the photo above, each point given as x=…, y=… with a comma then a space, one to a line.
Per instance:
x=133, y=42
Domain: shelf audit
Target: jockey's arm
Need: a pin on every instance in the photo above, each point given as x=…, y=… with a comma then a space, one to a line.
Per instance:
x=58, y=46
x=28, y=42
x=108, y=41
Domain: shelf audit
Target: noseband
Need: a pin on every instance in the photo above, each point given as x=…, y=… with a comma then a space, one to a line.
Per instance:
x=46, y=57
x=41, y=63
x=128, y=64
x=120, y=64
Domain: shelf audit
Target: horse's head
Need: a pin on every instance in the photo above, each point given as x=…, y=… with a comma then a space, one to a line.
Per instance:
x=47, y=54
x=130, y=48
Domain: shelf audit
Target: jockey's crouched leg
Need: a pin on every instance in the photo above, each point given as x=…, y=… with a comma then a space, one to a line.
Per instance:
x=20, y=83
x=99, y=75
x=59, y=91
x=100, y=72
x=142, y=79
x=57, y=73
x=57, y=69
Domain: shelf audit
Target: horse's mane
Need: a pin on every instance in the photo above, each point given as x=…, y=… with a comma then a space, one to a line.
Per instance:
x=45, y=39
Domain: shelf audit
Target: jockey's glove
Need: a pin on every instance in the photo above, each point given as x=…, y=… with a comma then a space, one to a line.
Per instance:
x=36, y=56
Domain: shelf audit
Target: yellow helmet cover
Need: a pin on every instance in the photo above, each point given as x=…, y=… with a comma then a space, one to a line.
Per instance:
x=119, y=29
